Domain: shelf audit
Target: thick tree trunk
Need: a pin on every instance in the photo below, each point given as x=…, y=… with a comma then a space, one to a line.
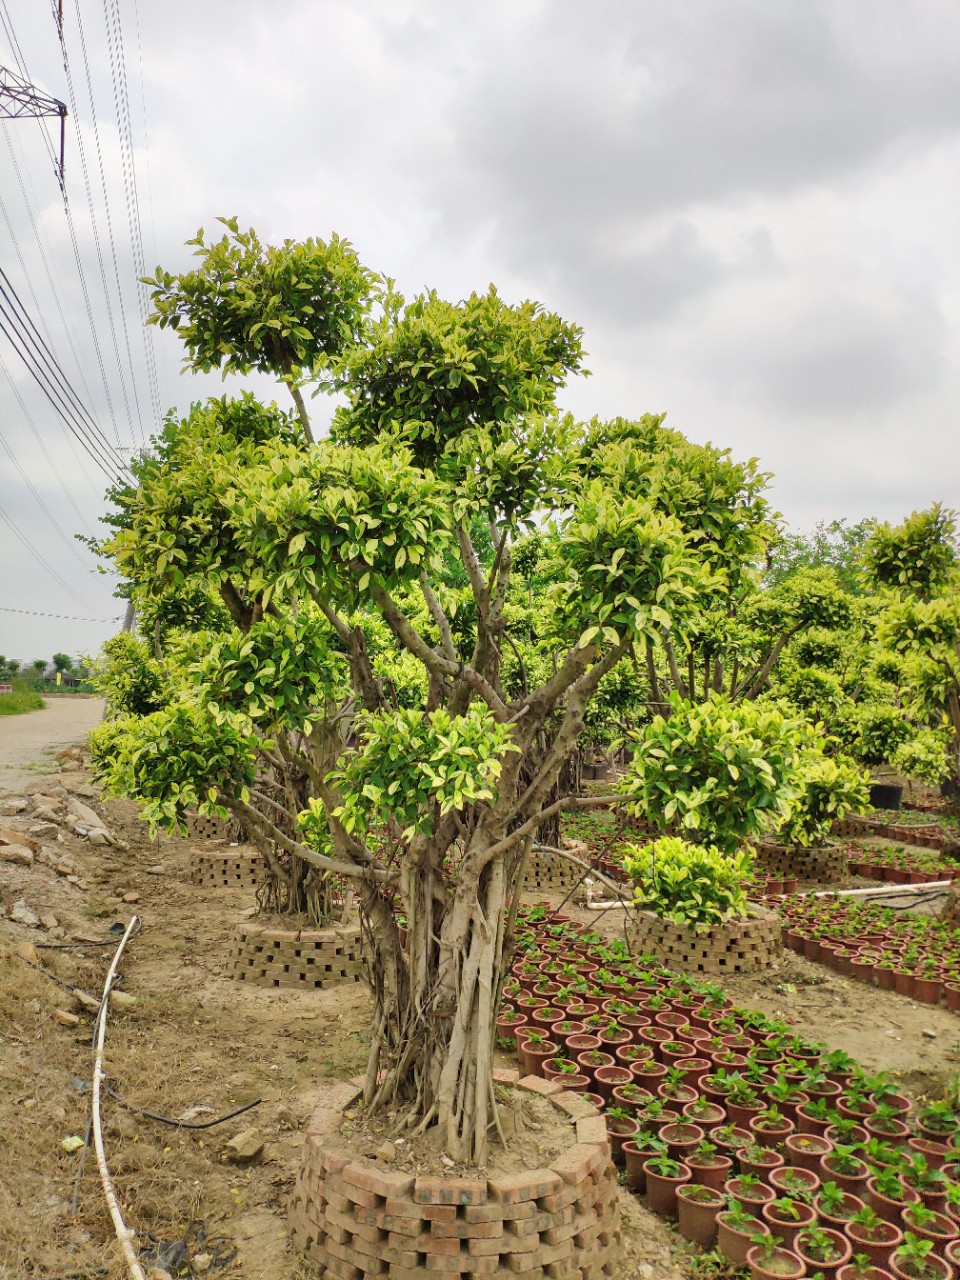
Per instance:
x=437, y=998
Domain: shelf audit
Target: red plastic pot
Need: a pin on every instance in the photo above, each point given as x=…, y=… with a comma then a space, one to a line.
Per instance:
x=735, y=1243
x=878, y=1244
x=697, y=1209
x=781, y=1264
x=785, y=1227
x=806, y=1150
x=662, y=1190
x=710, y=1171
x=840, y=1243
x=681, y=1138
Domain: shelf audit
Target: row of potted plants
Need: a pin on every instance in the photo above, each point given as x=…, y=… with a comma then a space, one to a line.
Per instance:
x=900, y=865
x=914, y=955
x=748, y=1134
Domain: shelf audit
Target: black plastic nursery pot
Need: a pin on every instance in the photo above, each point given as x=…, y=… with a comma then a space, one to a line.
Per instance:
x=885, y=795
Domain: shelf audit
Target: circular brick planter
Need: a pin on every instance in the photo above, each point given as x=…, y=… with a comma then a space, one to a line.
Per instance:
x=546, y=872
x=206, y=828
x=354, y=1217
x=742, y=946
x=226, y=869
x=305, y=959
x=826, y=862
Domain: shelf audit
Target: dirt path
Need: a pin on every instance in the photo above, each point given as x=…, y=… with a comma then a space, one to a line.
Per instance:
x=28, y=739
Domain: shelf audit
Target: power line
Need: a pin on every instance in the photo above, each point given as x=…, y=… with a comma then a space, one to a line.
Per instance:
x=109, y=219
x=118, y=71
x=71, y=544
x=41, y=560
x=46, y=453
x=43, y=366
x=66, y=617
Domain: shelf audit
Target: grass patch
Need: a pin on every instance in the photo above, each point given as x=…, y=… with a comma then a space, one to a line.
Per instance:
x=20, y=700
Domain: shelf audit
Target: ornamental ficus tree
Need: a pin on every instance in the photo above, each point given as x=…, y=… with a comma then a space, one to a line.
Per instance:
x=918, y=564
x=380, y=669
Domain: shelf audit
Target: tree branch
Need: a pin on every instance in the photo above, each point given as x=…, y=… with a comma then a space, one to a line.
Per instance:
x=319, y=860
x=439, y=617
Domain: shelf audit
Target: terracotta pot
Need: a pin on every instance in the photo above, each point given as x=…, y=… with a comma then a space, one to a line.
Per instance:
x=934, y=1268
x=662, y=1191
x=761, y=1167
x=735, y=1243
x=927, y=990
x=829, y=1268
x=772, y=1134
x=877, y=1245
x=806, y=1151
x=850, y=1272
x=533, y=1056
x=704, y=1113
x=634, y=1160
x=936, y=1154
x=577, y=1044
x=783, y=1264
x=681, y=1138
x=591, y=1061
x=839, y=1221
x=781, y=1179
x=753, y=1197
x=620, y=1131
x=787, y=1228
x=710, y=1171
x=698, y=1214
x=607, y=1078
x=508, y=1028
x=888, y=1209
x=941, y=1230
x=553, y=1072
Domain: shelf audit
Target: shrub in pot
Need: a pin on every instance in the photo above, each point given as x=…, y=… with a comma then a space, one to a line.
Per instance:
x=873, y=1235
x=822, y=1249
x=636, y=1152
x=786, y=1216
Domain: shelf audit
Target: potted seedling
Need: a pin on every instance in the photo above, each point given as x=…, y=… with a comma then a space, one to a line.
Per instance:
x=873, y=1235
x=697, y=1209
x=823, y=1249
x=915, y=1260
x=769, y=1259
x=636, y=1151
x=836, y=1206
x=664, y=1176
x=620, y=1126
x=738, y=1229
x=786, y=1216
x=710, y=1168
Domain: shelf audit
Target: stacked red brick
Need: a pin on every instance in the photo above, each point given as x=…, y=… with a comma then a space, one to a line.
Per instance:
x=306, y=959
x=356, y=1218
x=740, y=946
x=226, y=869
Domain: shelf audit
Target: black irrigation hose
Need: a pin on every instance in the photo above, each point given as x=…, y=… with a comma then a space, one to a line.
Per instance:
x=181, y=1124
x=67, y=946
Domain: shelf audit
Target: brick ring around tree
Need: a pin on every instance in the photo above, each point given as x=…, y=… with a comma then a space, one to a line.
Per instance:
x=354, y=1218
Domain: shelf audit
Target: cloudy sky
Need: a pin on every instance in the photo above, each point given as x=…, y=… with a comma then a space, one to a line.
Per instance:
x=750, y=207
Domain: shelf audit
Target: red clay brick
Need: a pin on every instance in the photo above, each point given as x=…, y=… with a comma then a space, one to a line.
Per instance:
x=575, y=1165
x=449, y=1248
x=485, y=1248
x=592, y=1129
x=466, y=1191
x=467, y=1230
x=484, y=1213
x=573, y=1105
x=324, y=1121
x=504, y=1075
x=568, y=1196
x=382, y=1182
x=531, y=1184
x=517, y=1212
x=432, y=1212
x=536, y=1084
x=557, y=1235
x=342, y=1261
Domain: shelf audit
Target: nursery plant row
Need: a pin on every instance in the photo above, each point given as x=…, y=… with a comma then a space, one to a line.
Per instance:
x=787, y=1156
x=913, y=955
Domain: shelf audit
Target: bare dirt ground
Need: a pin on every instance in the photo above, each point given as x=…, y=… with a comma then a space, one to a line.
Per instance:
x=196, y=1045
x=24, y=739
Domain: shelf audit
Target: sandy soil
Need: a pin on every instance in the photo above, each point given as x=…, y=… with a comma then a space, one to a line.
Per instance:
x=27, y=740
x=197, y=1044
